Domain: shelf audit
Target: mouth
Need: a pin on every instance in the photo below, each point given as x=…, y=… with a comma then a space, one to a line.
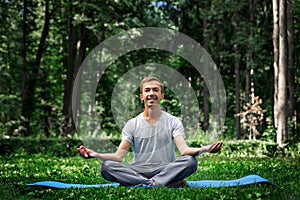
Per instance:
x=151, y=98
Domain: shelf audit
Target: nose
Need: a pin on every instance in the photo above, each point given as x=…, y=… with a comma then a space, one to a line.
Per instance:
x=151, y=94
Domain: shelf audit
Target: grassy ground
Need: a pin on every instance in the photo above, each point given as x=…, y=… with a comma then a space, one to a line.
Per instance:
x=18, y=170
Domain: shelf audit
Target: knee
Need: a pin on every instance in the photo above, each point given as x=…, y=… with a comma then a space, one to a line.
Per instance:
x=108, y=169
x=191, y=162
x=106, y=165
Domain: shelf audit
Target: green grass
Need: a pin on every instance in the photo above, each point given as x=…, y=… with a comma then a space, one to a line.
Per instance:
x=18, y=170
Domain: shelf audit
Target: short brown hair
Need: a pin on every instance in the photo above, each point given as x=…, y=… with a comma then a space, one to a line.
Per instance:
x=149, y=79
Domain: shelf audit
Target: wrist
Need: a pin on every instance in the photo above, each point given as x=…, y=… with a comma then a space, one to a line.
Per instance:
x=93, y=154
x=205, y=149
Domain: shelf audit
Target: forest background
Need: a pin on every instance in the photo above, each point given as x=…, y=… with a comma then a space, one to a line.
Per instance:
x=255, y=45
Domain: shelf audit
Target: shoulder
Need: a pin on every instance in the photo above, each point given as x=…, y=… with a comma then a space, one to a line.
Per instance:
x=133, y=121
x=171, y=118
x=139, y=116
x=175, y=124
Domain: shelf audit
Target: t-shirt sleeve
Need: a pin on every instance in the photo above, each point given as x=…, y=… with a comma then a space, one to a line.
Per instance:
x=127, y=132
x=177, y=128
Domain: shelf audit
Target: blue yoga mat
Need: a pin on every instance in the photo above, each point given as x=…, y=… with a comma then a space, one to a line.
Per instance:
x=247, y=180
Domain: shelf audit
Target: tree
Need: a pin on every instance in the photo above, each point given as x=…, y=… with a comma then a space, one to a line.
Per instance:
x=68, y=123
x=24, y=70
x=276, y=58
x=30, y=80
x=283, y=51
x=39, y=60
x=282, y=73
x=291, y=82
x=237, y=70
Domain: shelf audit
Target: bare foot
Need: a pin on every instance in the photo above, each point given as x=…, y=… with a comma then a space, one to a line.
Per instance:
x=178, y=184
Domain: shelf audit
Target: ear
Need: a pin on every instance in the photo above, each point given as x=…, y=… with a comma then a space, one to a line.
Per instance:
x=162, y=96
x=141, y=97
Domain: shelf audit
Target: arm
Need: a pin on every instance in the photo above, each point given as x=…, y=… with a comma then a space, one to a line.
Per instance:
x=117, y=156
x=184, y=149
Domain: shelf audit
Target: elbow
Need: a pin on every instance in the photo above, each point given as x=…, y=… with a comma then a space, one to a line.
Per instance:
x=190, y=152
x=185, y=152
x=119, y=159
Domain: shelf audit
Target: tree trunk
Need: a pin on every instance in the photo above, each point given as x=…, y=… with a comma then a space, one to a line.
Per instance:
x=290, y=73
x=237, y=72
x=276, y=58
x=29, y=99
x=205, y=108
x=45, y=107
x=205, y=125
x=250, y=52
x=282, y=87
x=68, y=123
x=82, y=43
x=24, y=71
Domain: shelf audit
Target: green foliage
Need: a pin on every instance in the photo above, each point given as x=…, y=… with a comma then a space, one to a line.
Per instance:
x=9, y=121
x=211, y=23
x=255, y=148
x=269, y=134
x=60, y=147
x=53, y=147
x=19, y=169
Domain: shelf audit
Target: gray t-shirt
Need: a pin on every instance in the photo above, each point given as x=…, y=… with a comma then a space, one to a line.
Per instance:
x=153, y=144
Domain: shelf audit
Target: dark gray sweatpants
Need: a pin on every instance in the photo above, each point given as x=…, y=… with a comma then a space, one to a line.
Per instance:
x=140, y=174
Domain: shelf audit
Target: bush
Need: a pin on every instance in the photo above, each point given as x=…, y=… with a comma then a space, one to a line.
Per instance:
x=253, y=148
x=53, y=147
x=67, y=147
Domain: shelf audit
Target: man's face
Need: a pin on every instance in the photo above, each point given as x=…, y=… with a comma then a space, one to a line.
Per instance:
x=151, y=93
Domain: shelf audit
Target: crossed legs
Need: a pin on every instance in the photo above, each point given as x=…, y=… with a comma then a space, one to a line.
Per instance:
x=158, y=175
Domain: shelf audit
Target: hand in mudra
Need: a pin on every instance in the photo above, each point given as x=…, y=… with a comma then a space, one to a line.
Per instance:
x=216, y=147
x=85, y=152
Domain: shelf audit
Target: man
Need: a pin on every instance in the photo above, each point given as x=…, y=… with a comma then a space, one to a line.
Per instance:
x=153, y=135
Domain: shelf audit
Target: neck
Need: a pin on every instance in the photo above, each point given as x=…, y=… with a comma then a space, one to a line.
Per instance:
x=153, y=113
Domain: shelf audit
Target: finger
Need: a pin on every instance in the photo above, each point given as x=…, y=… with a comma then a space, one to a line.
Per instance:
x=211, y=149
x=219, y=144
x=82, y=152
x=80, y=148
x=216, y=147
